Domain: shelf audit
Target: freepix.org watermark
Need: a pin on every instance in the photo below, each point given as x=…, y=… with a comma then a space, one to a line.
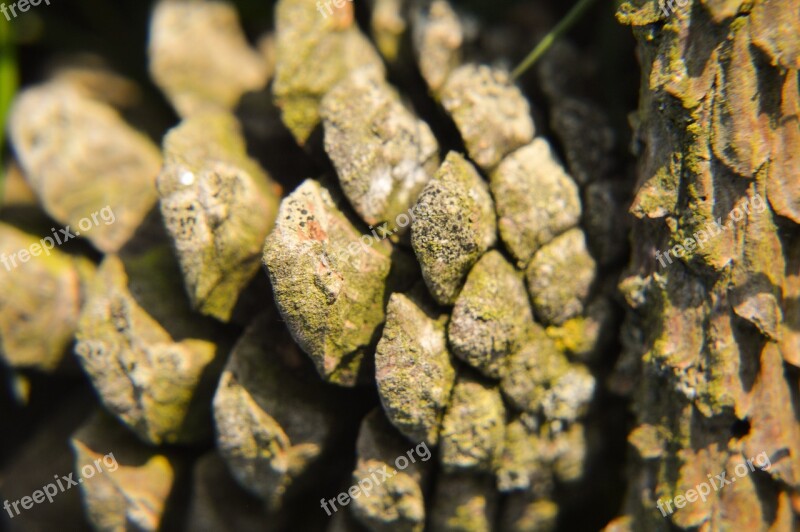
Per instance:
x=668, y=7
x=59, y=237
x=366, y=485
x=350, y=254
x=338, y=4
x=61, y=485
x=712, y=229
x=718, y=482
x=22, y=5
x=383, y=232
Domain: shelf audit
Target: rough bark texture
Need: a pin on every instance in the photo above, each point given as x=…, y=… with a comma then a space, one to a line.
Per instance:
x=711, y=339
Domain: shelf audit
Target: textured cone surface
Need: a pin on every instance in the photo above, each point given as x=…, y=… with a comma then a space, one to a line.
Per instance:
x=40, y=302
x=131, y=489
x=328, y=286
x=491, y=315
x=218, y=206
x=434, y=337
x=152, y=382
x=313, y=53
x=454, y=226
x=397, y=502
x=199, y=56
x=273, y=420
x=81, y=157
x=492, y=114
x=383, y=155
x=414, y=348
x=472, y=429
x=536, y=200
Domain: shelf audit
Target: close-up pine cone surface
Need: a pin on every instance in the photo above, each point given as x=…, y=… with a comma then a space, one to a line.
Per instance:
x=400, y=265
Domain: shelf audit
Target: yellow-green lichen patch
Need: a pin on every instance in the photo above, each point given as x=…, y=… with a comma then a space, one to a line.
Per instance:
x=535, y=198
x=473, y=427
x=454, y=226
x=491, y=315
x=559, y=277
x=330, y=286
x=383, y=154
x=490, y=112
x=413, y=348
x=313, y=53
x=639, y=12
x=585, y=337
x=218, y=206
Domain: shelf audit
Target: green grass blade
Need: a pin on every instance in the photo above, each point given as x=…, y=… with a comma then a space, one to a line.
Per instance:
x=561, y=28
x=9, y=80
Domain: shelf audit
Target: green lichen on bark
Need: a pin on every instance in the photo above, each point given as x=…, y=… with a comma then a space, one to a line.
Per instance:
x=717, y=122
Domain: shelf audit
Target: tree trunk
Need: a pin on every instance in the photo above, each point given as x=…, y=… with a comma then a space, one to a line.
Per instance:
x=712, y=340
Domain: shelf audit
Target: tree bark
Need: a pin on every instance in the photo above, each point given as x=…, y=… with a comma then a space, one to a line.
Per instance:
x=712, y=339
